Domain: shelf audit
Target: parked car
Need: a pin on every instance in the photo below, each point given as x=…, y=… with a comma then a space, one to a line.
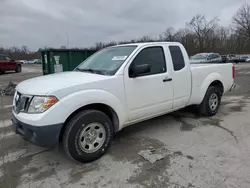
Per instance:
x=206, y=58
x=241, y=58
x=22, y=61
x=244, y=58
x=38, y=61
x=32, y=61
x=8, y=64
x=224, y=59
x=248, y=60
x=231, y=57
x=115, y=87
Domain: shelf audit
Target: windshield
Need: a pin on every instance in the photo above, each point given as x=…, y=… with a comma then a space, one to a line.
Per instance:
x=106, y=61
x=198, y=57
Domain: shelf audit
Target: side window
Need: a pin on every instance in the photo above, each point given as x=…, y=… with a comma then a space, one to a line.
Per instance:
x=2, y=57
x=177, y=57
x=213, y=56
x=7, y=58
x=153, y=56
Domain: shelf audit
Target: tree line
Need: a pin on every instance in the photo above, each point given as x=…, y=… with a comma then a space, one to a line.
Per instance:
x=20, y=53
x=202, y=35
x=198, y=35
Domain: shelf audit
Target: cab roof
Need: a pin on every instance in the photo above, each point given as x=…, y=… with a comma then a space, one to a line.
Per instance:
x=149, y=43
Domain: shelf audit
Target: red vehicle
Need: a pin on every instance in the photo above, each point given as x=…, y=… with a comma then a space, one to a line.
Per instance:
x=8, y=64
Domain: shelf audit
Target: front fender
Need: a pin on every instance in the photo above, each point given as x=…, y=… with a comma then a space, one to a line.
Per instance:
x=209, y=79
x=76, y=100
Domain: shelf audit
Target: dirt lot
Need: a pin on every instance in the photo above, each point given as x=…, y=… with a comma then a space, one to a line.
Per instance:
x=199, y=152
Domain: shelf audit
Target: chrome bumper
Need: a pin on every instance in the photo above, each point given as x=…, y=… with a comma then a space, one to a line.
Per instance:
x=232, y=87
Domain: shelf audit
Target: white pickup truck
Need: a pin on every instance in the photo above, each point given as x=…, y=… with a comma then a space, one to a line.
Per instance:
x=115, y=87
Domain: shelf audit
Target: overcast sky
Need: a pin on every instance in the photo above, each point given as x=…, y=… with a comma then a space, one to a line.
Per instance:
x=40, y=23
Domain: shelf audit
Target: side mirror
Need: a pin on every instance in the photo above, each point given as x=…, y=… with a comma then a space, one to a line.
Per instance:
x=139, y=70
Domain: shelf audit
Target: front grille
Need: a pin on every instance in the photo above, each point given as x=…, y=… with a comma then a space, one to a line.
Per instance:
x=21, y=102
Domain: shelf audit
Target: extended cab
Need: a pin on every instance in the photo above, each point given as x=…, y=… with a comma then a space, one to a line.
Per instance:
x=115, y=87
x=8, y=64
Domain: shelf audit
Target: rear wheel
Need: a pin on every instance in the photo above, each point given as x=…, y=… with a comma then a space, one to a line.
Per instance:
x=18, y=69
x=87, y=136
x=211, y=102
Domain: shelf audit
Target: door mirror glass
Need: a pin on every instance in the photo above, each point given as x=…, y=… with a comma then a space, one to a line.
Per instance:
x=139, y=70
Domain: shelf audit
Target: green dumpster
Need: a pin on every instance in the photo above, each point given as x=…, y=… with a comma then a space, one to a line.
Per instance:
x=60, y=60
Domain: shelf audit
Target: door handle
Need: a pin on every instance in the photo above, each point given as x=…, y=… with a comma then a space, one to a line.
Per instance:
x=167, y=79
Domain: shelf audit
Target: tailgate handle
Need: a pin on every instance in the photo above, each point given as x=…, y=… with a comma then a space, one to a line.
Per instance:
x=167, y=79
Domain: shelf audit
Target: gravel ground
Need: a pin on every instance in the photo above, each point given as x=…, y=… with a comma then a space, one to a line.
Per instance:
x=199, y=152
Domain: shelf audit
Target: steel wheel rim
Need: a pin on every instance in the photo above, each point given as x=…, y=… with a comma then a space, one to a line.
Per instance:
x=213, y=101
x=92, y=137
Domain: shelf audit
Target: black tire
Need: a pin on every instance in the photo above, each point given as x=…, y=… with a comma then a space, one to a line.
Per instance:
x=77, y=124
x=205, y=108
x=18, y=69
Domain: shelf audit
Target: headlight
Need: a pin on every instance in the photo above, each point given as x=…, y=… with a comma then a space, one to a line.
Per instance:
x=40, y=104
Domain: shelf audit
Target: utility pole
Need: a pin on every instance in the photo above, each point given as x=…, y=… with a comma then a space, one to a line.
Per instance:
x=67, y=39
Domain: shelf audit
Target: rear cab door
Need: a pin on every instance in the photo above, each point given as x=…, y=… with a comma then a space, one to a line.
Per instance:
x=181, y=74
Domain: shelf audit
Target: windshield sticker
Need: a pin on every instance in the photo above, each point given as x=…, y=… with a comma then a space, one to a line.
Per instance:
x=119, y=58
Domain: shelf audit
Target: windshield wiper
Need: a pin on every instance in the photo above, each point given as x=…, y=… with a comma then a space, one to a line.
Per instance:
x=90, y=70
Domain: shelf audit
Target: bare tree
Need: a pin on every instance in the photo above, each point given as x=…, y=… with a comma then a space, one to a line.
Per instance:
x=25, y=49
x=241, y=21
x=145, y=39
x=63, y=47
x=168, y=35
x=201, y=28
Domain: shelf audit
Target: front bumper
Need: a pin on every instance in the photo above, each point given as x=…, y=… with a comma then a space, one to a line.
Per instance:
x=44, y=136
x=232, y=87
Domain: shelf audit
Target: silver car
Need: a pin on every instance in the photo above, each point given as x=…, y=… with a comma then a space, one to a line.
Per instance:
x=206, y=58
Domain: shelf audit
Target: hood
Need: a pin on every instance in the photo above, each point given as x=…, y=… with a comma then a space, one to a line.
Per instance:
x=42, y=85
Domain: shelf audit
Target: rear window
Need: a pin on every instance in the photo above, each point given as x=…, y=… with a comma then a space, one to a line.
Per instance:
x=177, y=57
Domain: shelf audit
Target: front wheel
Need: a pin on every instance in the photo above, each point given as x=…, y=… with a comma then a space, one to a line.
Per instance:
x=88, y=136
x=211, y=102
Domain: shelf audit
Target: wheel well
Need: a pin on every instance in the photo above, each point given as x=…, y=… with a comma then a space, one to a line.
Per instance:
x=97, y=106
x=218, y=84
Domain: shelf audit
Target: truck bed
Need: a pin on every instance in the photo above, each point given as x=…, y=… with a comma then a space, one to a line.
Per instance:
x=202, y=73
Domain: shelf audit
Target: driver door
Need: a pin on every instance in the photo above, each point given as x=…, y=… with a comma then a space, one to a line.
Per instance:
x=151, y=93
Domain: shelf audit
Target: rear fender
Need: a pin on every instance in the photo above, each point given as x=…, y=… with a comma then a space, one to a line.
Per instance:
x=207, y=82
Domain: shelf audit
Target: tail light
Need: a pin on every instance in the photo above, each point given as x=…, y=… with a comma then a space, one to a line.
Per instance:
x=233, y=72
